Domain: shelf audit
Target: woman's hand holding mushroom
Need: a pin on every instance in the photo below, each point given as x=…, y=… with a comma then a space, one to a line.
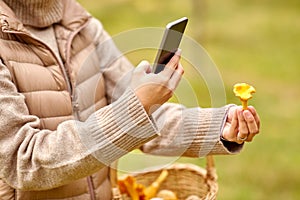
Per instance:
x=243, y=122
x=241, y=125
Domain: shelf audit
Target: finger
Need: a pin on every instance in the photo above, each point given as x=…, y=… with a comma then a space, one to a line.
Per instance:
x=143, y=67
x=252, y=126
x=231, y=134
x=167, y=72
x=255, y=115
x=148, y=69
x=172, y=64
x=231, y=128
x=233, y=131
x=257, y=120
x=231, y=112
x=243, y=128
x=176, y=77
x=226, y=133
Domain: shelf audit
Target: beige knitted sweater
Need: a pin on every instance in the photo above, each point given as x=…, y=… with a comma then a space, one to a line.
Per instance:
x=34, y=159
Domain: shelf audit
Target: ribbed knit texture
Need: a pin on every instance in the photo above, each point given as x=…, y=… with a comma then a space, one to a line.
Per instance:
x=37, y=13
x=193, y=132
x=123, y=127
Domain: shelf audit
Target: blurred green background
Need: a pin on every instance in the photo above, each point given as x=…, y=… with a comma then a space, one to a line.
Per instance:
x=257, y=42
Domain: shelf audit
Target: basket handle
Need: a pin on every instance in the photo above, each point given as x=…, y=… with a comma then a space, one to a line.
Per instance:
x=211, y=172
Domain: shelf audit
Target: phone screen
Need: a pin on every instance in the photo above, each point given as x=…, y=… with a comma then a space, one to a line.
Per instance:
x=170, y=43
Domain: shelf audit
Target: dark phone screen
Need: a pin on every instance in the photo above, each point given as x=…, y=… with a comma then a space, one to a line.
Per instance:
x=170, y=43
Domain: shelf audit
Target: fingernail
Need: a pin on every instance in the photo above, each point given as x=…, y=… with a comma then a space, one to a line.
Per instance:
x=247, y=114
x=178, y=52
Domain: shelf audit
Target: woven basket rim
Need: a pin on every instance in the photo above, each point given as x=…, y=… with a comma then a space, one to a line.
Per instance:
x=182, y=168
x=175, y=166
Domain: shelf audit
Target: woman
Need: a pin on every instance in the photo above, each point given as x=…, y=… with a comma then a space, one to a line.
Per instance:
x=71, y=104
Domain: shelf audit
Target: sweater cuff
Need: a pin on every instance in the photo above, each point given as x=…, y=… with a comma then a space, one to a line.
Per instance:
x=118, y=128
x=208, y=129
x=224, y=146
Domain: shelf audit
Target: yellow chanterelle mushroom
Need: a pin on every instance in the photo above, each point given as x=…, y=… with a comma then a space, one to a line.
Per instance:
x=137, y=191
x=152, y=189
x=244, y=92
x=167, y=195
x=129, y=186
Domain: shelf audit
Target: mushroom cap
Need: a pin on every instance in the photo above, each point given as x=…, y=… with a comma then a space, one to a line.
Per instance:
x=243, y=90
x=167, y=195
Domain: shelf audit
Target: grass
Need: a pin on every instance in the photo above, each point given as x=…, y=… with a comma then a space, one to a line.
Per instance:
x=250, y=41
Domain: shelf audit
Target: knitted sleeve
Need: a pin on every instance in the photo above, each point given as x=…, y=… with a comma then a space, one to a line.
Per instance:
x=193, y=132
x=34, y=159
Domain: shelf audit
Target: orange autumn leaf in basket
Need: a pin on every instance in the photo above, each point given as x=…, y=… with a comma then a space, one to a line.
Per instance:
x=244, y=92
x=132, y=188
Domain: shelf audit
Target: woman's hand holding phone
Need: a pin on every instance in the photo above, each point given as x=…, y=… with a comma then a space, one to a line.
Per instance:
x=153, y=90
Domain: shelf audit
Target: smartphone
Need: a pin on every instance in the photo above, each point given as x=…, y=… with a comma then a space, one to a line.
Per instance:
x=169, y=44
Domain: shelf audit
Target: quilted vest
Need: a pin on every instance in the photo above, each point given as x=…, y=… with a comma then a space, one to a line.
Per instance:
x=55, y=89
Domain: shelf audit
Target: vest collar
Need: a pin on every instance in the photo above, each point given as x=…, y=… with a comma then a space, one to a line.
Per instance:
x=8, y=19
x=74, y=16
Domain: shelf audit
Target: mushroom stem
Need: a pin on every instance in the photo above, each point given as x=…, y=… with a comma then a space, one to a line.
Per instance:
x=151, y=190
x=244, y=104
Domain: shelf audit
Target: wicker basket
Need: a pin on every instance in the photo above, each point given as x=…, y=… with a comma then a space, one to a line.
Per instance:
x=183, y=179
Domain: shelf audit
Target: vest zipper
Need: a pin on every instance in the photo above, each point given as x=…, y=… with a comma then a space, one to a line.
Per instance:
x=75, y=104
x=89, y=180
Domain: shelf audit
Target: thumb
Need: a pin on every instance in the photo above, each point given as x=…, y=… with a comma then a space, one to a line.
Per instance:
x=143, y=67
